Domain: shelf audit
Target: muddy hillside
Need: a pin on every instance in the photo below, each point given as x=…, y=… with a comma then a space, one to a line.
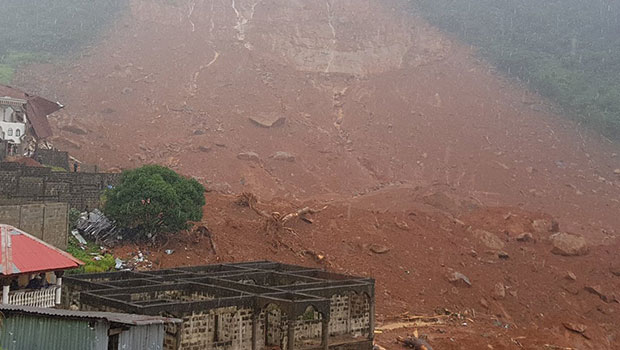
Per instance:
x=432, y=165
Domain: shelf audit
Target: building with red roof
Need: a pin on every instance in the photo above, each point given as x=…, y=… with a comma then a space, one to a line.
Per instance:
x=23, y=255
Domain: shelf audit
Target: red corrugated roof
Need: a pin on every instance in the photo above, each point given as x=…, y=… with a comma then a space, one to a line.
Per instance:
x=37, y=109
x=23, y=253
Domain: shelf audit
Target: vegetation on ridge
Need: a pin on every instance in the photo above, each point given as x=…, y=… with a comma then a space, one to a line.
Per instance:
x=566, y=50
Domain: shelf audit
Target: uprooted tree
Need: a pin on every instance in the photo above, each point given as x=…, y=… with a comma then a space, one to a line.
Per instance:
x=153, y=199
x=275, y=221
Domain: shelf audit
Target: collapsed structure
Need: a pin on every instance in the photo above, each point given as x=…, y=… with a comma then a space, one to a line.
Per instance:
x=23, y=120
x=240, y=306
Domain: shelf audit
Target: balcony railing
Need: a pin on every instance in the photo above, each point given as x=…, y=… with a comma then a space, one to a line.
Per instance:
x=45, y=297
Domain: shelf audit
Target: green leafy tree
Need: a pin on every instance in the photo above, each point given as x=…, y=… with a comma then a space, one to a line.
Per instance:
x=154, y=199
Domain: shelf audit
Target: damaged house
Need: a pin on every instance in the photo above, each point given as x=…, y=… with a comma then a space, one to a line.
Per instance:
x=23, y=121
x=242, y=306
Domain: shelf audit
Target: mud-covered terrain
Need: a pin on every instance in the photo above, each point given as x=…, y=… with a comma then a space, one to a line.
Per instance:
x=332, y=102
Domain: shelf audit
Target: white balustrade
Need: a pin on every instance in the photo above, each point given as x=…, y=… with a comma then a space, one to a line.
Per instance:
x=45, y=297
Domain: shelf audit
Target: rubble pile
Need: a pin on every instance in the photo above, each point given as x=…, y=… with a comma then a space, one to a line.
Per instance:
x=96, y=226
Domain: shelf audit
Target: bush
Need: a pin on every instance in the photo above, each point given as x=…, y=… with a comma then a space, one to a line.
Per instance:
x=87, y=255
x=154, y=199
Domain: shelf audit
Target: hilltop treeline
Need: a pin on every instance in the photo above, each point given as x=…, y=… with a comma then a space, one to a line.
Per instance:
x=34, y=29
x=567, y=50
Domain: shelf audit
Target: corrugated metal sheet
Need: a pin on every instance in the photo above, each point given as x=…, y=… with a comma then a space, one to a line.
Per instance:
x=39, y=328
x=26, y=332
x=23, y=253
x=144, y=337
x=128, y=319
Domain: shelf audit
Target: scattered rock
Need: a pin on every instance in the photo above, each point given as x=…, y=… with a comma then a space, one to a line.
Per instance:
x=545, y=226
x=198, y=132
x=525, y=237
x=499, y=291
x=74, y=129
x=204, y=148
x=220, y=144
x=575, y=327
x=568, y=244
x=458, y=278
x=503, y=255
x=268, y=121
x=484, y=303
x=379, y=248
x=571, y=276
x=250, y=156
x=283, y=156
x=489, y=239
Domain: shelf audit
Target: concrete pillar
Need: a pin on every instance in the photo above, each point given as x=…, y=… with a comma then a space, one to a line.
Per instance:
x=371, y=319
x=5, y=294
x=325, y=334
x=59, y=287
x=291, y=334
x=255, y=321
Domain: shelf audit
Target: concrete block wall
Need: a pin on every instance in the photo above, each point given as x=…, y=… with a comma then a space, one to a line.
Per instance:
x=350, y=315
x=46, y=221
x=52, y=157
x=218, y=329
x=359, y=321
x=81, y=190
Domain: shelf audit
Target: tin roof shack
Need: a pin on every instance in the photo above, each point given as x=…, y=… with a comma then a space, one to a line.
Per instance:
x=241, y=306
x=34, y=328
x=22, y=255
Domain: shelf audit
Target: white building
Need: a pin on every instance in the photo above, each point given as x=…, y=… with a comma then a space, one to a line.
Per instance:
x=23, y=120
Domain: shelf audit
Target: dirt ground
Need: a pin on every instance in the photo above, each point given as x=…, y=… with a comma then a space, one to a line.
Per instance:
x=410, y=139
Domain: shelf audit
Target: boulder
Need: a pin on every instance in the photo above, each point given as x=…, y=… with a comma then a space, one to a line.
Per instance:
x=267, y=121
x=525, y=237
x=74, y=129
x=545, y=226
x=489, y=239
x=379, y=248
x=568, y=244
x=283, y=156
x=250, y=156
x=499, y=291
x=575, y=327
x=458, y=278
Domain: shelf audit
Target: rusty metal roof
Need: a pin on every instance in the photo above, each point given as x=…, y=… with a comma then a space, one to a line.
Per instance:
x=22, y=253
x=37, y=109
x=126, y=319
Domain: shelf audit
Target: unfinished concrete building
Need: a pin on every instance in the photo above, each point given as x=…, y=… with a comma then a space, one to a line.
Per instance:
x=242, y=306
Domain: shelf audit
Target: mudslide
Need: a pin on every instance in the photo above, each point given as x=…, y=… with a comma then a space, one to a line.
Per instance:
x=326, y=100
